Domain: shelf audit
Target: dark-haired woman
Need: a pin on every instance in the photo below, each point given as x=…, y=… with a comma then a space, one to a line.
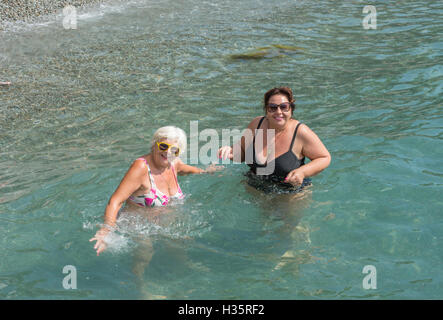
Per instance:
x=275, y=147
x=281, y=160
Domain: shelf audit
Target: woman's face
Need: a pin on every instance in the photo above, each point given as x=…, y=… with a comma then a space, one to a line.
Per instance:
x=278, y=118
x=164, y=157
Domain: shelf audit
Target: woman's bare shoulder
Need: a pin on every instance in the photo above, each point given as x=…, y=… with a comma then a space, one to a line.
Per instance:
x=254, y=123
x=306, y=134
x=138, y=166
x=303, y=129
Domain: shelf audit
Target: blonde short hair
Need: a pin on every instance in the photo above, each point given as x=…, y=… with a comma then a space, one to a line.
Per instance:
x=173, y=134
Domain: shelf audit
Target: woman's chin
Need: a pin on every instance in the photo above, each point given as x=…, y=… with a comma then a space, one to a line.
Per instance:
x=278, y=122
x=164, y=159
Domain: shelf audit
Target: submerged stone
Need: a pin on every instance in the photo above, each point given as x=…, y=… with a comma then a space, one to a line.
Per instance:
x=269, y=52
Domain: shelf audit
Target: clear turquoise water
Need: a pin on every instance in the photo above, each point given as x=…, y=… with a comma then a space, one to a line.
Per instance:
x=84, y=104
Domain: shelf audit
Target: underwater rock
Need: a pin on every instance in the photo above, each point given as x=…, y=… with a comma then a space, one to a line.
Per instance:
x=269, y=52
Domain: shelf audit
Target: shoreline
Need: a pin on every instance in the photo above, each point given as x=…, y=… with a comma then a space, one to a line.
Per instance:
x=30, y=11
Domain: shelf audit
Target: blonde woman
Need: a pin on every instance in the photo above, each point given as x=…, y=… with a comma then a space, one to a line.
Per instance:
x=151, y=181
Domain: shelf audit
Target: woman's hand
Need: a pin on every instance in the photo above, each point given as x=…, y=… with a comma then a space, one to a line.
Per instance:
x=225, y=153
x=295, y=177
x=213, y=168
x=100, y=245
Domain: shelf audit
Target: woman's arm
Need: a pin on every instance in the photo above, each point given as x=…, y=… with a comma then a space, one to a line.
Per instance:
x=182, y=168
x=314, y=149
x=129, y=184
x=185, y=169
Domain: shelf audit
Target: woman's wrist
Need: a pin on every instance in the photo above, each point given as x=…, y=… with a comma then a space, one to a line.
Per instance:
x=302, y=173
x=106, y=228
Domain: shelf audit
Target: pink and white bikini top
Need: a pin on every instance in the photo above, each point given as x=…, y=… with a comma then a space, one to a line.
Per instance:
x=155, y=197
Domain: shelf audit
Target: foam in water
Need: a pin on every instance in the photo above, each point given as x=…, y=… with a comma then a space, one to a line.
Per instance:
x=172, y=222
x=117, y=243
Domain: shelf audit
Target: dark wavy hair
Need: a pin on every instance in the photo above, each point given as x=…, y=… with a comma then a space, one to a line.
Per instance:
x=286, y=91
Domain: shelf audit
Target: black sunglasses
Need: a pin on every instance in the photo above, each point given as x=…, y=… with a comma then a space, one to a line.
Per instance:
x=284, y=107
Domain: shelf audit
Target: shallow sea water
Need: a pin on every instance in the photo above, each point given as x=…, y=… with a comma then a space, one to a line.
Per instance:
x=84, y=104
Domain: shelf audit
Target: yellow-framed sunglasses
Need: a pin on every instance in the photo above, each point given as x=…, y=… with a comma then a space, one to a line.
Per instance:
x=163, y=146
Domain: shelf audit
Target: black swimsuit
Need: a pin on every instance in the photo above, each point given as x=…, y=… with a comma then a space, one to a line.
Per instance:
x=284, y=164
